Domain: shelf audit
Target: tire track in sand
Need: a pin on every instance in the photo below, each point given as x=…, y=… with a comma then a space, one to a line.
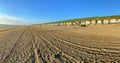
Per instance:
x=42, y=37
x=6, y=60
x=84, y=47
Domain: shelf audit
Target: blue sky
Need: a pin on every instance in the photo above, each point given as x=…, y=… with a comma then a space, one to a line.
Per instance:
x=39, y=11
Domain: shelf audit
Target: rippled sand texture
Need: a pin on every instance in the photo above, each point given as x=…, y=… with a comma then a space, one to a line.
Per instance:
x=60, y=44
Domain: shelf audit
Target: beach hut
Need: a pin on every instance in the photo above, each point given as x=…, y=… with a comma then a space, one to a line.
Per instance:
x=88, y=22
x=105, y=21
x=93, y=21
x=113, y=20
x=99, y=21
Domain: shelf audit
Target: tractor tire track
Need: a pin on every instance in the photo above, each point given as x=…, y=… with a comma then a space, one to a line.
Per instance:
x=52, y=46
x=84, y=47
x=6, y=60
x=113, y=52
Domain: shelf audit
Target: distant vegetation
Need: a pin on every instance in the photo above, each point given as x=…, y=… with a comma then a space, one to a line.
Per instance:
x=88, y=18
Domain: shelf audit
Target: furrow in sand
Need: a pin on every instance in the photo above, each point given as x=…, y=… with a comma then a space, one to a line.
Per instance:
x=59, y=49
x=6, y=60
x=56, y=48
x=96, y=49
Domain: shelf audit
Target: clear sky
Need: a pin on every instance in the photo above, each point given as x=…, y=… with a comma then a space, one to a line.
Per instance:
x=39, y=11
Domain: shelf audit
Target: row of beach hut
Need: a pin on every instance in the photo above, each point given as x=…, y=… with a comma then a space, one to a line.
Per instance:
x=87, y=22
